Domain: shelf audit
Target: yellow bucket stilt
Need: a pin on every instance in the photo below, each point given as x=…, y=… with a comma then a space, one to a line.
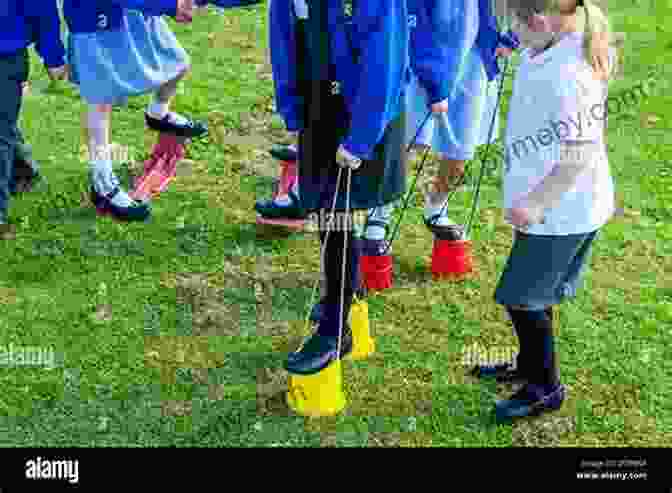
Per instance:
x=362, y=342
x=317, y=395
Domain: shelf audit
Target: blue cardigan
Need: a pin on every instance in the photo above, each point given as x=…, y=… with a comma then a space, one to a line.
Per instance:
x=25, y=22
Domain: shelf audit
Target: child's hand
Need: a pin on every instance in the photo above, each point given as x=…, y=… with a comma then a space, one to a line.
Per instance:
x=440, y=107
x=523, y=217
x=59, y=73
x=185, y=11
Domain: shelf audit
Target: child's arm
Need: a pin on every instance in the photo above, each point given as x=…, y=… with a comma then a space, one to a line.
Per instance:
x=576, y=157
x=382, y=30
x=283, y=60
x=45, y=25
x=438, y=56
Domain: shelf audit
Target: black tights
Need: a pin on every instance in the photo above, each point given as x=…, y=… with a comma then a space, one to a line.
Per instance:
x=333, y=269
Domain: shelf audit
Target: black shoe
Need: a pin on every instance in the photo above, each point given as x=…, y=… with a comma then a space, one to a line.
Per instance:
x=531, y=400
x=270, y=210
x=284, y=153
x=318, y=352
x=375, y=248
x=137, y=212
x=502, y=373
x=190, y=130
x=450, y=232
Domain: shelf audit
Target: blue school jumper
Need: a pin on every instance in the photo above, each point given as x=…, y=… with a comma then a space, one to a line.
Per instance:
x=452, y=57
x=355, y=97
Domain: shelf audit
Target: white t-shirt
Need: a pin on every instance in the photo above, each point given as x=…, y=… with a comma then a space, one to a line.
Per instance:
x=556, y=97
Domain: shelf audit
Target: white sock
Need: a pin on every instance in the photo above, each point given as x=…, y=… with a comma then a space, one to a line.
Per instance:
x=105, y=181
x=382, y=214
x=159, y=110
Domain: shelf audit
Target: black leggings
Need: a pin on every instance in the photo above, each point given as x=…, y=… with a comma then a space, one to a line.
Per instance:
x=333, y=270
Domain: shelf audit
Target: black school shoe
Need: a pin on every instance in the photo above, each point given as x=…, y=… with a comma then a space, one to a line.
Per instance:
x=191, y=129
x=104, y=205
x=284, y=153
x=271, y=210
x=318, y=352
x=450, y=232
x=530, y=400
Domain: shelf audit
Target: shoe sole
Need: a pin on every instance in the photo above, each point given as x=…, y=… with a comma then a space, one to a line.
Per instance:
x=284, y=223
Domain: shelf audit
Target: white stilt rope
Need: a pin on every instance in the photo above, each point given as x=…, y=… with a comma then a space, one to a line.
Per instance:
x=323, y=250
x=415, y=181
x=341, y=315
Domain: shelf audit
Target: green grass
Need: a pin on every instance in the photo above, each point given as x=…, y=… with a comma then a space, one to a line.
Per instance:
x=119, y=303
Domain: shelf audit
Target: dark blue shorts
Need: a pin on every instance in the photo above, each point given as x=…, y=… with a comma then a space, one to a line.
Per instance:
x=544, y=270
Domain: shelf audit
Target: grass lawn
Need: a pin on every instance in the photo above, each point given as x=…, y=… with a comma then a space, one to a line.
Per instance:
x=174, y=332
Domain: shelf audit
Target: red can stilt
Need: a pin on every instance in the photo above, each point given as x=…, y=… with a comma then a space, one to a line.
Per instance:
x=451, y=254
x=160, y=168
x=376, y=265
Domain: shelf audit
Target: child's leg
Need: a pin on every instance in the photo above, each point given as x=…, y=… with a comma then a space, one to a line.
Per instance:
x=104, y=181
x=450, y=173
x=537, y=349
x=378, y=220
x=160, y=107
x=13, y=71
x=321, y=349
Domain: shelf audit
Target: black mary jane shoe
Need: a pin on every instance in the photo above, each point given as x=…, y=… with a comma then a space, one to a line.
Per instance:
x=104, y=205
x=284, y=153
x=189, y=130
x=530, y=400
x=507, y=372
x=450, y=232
x=269, y=209
x=318, y=352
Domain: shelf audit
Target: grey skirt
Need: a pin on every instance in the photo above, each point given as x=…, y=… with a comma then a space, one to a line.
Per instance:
x=544, y=270
x=111, y=66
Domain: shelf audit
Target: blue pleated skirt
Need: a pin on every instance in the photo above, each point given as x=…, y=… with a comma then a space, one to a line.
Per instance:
x=111, y=66
x=544, y=270
x=466, y=125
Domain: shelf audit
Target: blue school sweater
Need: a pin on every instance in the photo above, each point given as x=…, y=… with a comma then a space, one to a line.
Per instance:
x=443, y=33
x=372, y=85
x=87, y=16
x=24, y=22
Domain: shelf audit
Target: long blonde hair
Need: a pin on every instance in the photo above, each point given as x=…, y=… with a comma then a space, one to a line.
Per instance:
x=594, y=22
x=589, y=19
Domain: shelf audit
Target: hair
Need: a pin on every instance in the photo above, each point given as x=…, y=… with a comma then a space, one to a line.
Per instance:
x=590, y=19
x=594, y=22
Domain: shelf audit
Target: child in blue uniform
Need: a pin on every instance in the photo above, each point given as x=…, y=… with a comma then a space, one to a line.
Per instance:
x=558, y=193
x=339, y=71
x=454, y=45
x=23, y=22
x=119, y=49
